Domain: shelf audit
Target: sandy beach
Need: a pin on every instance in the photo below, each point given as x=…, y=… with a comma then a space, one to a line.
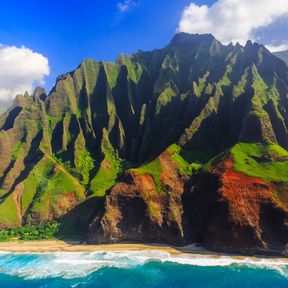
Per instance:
x=61, y=246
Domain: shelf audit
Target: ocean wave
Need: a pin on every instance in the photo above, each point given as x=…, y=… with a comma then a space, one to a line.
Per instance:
x=225, y=261
x=76, y=265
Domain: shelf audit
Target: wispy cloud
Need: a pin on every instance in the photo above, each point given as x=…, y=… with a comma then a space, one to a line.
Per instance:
x=277, y=48
x=126, y=5
x=232, y=20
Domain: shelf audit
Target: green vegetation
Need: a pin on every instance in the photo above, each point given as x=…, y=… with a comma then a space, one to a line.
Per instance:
x=84, y=164
x=164, y=98
x=199, y=88
x=154, y=169
x=104, y=179
x=39, y=232
x=268, y=162
x=194, y=92
x=36, y=182
x=198, y=157
x=8, y=211
x=186, y=160
x=225, y=81
x=108, y=170
x=17, y=150
x=90, y=69
x=52, y=122
x=154, y=210
x=263, y=93
x=239, y=89
x=135, y=70
x=46, y=189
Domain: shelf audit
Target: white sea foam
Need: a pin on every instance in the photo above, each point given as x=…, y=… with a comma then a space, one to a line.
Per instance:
x=74, y=265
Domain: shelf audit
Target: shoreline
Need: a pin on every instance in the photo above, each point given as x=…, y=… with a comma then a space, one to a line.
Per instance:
x=47, y=246
x=54, y=246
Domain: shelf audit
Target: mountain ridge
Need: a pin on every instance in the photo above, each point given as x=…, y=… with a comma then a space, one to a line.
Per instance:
x=116, y=150
x=283, y=55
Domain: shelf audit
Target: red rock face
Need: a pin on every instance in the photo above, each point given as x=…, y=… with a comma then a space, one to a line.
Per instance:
x=238, y=212
x=136, y=211
x=222, y=209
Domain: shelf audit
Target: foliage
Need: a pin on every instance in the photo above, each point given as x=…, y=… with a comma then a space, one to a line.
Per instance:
x=108, y=171
x=39, y=232
x=8, y=210
x=185, y=167
x=46, y=185
x=84, y=163
x=18, y=150
x=164, y=98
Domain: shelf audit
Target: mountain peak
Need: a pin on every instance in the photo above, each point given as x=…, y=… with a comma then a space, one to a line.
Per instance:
x=185, y=39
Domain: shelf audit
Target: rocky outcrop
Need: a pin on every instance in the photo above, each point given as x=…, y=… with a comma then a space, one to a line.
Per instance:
x=228, y=210
x=137, y=210
x=221, y=209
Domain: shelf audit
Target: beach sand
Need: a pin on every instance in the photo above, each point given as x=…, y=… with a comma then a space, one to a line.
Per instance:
x=61, y=246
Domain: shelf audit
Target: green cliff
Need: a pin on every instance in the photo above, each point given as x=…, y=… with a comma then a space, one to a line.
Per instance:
x=155, y=121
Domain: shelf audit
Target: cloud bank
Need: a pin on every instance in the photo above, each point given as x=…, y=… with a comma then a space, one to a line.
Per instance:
x=233, y=20
x=20, y=69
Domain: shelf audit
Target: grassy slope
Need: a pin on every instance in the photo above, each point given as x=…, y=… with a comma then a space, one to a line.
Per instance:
x=154, y=169
x=46, y=185
x=8, y=211
x=186, y=162
x=107, y=173
x=268, y=162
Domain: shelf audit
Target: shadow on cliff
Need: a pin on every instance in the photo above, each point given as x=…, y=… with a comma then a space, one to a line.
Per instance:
x=74, y=224
x=34, y=155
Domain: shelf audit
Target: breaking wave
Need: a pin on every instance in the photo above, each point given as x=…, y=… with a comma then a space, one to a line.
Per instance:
x=70, y=265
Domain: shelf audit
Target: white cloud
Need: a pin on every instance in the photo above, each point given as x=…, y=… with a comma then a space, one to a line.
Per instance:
x=232, y=20
x=277, y=48
x=20, y=69
x=126, y=5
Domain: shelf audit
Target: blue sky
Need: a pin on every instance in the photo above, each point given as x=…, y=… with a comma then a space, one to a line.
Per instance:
x=65, y=32
x=68, y=31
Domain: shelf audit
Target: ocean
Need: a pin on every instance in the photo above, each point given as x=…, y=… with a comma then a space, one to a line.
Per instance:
x=137, y=270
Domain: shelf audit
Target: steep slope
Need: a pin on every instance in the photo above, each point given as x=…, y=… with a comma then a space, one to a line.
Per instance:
x=118, y=150
x=283, y=55
x=238, y=212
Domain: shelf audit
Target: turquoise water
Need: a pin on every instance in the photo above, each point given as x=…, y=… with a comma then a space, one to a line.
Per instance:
x=137, y=269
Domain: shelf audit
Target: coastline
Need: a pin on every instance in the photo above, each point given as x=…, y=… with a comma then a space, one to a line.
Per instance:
x=54, y=246
x=47, y=246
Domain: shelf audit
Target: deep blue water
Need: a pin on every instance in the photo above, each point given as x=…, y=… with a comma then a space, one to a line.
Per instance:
x=137, y=269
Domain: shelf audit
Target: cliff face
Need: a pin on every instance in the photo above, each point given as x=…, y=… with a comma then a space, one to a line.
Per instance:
x=220, y=208
x=134, y=150
x=137, y=210
x=242, y=212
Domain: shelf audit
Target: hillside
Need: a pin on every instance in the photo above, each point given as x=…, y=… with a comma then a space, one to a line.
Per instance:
x=283, y=55
x=178, y=145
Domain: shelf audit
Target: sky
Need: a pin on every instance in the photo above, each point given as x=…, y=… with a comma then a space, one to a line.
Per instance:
x=40, y=40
